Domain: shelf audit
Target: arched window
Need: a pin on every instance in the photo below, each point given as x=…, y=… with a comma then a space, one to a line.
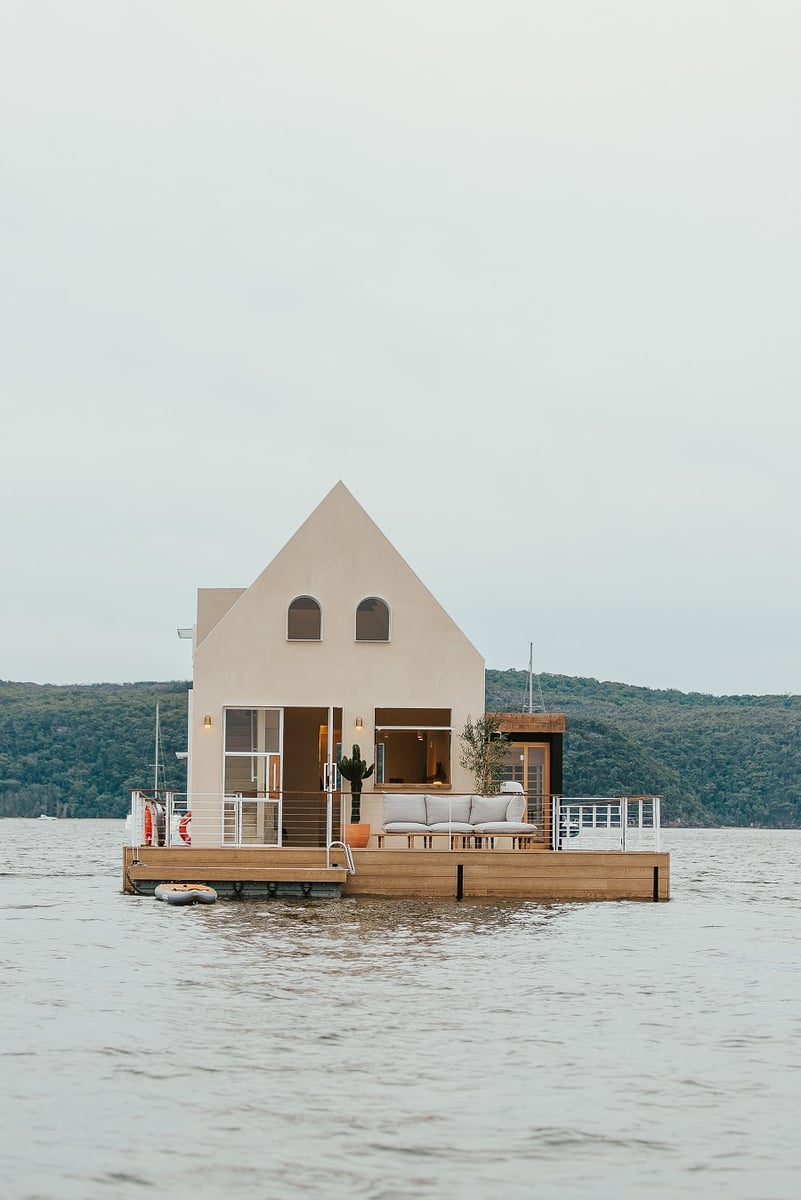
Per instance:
x=304, y=620
x=372, y=620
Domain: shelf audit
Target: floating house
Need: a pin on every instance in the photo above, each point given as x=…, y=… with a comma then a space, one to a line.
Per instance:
x=339, y=644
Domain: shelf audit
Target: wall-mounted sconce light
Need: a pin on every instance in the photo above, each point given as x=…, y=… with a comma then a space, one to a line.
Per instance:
x=359, y=723
x=207, y=722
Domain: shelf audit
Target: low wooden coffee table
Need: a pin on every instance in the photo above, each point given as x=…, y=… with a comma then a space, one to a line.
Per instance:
x=463, y=841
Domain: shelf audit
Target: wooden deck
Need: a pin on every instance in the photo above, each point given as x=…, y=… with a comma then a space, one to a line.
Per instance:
x=533, y=874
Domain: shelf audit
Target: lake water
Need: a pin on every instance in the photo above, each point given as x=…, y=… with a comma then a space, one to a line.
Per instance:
x=385, y=1049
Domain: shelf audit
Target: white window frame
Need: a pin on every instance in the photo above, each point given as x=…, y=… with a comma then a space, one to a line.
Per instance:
x=304, y=596
x=373, y=641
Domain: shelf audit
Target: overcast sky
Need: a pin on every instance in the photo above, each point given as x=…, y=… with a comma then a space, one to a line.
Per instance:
x=524, y=275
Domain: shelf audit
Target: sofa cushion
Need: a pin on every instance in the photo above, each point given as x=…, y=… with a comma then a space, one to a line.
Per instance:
x=447, y=808
x=515, y=809
x=404, y=827
x=488, y=808
x=508, y=827
x=405, y=807
x=451, y=827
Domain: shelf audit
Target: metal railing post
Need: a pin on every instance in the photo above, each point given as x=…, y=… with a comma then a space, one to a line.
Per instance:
x=137, y=813
x=657, y=818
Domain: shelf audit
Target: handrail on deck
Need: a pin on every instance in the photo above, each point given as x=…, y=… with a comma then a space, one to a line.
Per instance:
x=167, y=811
x=338, y=845
x=622, y=823
x=625, y=823
x=309, y=819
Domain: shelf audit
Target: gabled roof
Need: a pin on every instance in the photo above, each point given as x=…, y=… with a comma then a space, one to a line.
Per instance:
x=338, y=547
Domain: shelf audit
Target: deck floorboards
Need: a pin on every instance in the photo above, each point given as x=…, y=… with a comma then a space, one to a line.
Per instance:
x=541, y=875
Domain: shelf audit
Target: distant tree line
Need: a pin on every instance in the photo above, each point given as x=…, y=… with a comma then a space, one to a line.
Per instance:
x=717, y=760
x=76, y=751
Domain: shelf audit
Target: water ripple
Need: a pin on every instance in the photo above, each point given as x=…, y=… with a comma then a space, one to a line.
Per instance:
x=382, y=1050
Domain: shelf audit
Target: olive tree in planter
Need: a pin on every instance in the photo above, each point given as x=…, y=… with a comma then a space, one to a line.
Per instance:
x=484, y=748
x=356, y=770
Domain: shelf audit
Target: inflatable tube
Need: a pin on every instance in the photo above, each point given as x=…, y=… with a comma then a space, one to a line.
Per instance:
x=185, y=828
x=186, y=893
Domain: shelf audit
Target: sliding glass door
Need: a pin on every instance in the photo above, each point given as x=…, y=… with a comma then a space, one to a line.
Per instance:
x=252, y=776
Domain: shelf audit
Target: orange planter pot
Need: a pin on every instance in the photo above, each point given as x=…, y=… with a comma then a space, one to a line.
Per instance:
x=357, y=836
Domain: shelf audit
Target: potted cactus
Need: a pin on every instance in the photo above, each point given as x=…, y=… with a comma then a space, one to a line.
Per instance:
x=355, y=770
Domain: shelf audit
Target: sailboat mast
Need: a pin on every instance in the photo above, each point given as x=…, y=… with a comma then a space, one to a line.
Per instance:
x=531, y=677
x=156, y=763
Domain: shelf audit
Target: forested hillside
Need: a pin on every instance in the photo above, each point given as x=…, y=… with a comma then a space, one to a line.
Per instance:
x=718, y=760
x=76, y=751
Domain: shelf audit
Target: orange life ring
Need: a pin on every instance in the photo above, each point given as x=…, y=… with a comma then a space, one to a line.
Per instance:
x=183, y=828
x=148, y=825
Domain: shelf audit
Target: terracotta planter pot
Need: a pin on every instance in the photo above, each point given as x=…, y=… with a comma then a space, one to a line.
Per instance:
x=357, y=836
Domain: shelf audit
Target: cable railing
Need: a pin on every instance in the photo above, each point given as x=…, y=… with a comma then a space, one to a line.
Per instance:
x=309, y=820
x=158, y=818
x=622, y=823
x=313, y=820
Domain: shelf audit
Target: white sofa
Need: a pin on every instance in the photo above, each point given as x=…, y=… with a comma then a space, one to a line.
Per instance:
x=422, y=815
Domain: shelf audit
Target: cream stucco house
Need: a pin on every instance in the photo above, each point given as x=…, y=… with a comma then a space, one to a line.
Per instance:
x=336, y=642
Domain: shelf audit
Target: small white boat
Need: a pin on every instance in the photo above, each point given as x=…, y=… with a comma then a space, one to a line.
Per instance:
x=186, y=893
x=44, y=817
